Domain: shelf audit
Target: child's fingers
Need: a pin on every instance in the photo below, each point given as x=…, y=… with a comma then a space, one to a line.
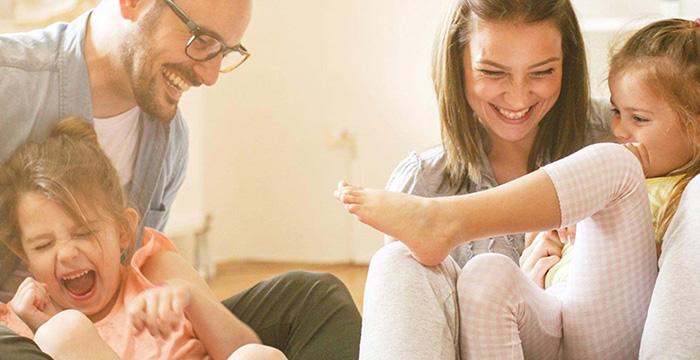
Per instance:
x=179, y=304
x=529, y=238
x=542, y=266
x=41, y=295
x=545, y=244
x=152, y=314
x=135, y=310
x=567, y=234
x=572, y=233
x=164, y=306
x=166, y=315
x=137, y=322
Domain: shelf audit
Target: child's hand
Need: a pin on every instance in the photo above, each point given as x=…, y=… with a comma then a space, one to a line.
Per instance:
x=32, y=303
x=161, y=310
x=541, y=255
x=567, y=235
x=640, y=151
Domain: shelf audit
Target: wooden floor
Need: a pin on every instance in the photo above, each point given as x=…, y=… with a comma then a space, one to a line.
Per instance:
x=233, y=277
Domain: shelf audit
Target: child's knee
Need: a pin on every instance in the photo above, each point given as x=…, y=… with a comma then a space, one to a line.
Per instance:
x=487, y=278
x=257, y=352
x=61, y=328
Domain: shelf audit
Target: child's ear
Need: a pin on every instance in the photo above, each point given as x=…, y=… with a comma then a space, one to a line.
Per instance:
x=132, y=219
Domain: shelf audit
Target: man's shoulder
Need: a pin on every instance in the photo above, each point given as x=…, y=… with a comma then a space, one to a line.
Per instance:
x=35, y=50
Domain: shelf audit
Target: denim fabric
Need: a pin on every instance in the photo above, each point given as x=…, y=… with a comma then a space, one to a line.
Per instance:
x=44, y=78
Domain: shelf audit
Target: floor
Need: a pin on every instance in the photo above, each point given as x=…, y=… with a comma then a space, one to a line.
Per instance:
x=233, y=277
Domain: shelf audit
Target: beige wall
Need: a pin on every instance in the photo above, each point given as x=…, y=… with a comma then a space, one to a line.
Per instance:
x=271, y=156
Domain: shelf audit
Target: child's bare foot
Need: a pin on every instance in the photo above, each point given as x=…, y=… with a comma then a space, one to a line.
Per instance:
x=415, y=221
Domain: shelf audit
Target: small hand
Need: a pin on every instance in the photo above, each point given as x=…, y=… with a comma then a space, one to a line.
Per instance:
x=160, y=310
x=640, y=151
x=32, y=303
x=543, y=253
x=567, y=235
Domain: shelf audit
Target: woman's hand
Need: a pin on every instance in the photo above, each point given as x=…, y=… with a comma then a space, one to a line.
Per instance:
x=32, y=303
x=543, y=252
x=160, y=310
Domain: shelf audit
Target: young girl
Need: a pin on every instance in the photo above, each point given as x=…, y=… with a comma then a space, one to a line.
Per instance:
x=655, y=86
x=63, y=212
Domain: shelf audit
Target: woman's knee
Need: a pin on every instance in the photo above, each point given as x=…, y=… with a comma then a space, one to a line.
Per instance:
x=393, y=271
x=394, y=257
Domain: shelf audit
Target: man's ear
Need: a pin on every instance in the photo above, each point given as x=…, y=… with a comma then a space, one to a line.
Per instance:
x=129, y=9
x=132, y=219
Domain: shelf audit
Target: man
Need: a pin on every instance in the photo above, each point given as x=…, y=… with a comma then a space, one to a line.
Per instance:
x=124, y=66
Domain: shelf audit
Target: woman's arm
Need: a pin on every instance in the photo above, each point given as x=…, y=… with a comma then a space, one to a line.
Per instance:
x=216, y=327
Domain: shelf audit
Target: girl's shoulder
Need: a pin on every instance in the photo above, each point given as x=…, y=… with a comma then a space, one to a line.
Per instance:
x=153, y=258
x=158, y=261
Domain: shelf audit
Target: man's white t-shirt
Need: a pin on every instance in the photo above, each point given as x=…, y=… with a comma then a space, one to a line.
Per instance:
x=118, y=136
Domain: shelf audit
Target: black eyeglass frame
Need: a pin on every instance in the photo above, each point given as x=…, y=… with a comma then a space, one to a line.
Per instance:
x=197, y=32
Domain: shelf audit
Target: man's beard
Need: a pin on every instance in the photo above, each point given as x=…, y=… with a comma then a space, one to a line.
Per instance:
x=144, y=78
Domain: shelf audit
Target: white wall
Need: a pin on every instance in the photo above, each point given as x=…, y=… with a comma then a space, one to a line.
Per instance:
x=318, y=68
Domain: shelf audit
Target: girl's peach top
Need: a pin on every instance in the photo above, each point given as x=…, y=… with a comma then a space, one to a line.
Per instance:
x=115, y=328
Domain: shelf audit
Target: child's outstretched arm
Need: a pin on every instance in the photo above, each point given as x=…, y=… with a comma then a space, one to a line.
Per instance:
x=217, y=328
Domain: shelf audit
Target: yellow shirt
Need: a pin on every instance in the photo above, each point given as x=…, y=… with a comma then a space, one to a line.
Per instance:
x=659, y=190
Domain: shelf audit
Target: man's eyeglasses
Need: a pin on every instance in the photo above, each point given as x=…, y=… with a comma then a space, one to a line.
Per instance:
x=202, y=46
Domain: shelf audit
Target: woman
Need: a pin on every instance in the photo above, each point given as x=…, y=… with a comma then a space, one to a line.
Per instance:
x=512, y=88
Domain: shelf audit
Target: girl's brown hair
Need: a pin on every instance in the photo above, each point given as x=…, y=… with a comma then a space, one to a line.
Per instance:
x=667, y=54
x=69, y=168
x=561, y=132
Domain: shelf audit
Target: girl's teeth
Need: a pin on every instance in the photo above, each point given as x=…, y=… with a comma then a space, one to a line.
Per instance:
x=75, y=276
